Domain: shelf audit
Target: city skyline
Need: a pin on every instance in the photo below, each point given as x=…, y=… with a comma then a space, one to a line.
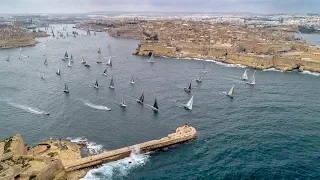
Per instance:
x=84, y=6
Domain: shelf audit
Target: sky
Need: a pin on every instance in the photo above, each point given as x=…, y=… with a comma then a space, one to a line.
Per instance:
x=83, y=6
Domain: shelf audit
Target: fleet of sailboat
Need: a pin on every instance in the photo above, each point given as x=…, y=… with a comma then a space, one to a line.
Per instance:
x=188, y=106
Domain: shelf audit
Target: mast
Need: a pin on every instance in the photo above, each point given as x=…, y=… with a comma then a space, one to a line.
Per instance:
x=97, y=83
x=189, y=86
x=155, y=105
x=142, y=97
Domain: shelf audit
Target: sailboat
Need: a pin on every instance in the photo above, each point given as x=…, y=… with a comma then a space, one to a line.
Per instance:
x=58, y=72
x=8, y=58
x=253, y=79
x=99, y=60
x=96, y=85
x=155, y=107
x=99, y=51
x=230, y=93
x=204, y=68
x=188, y=106
x=199, y=80
x=46, y=61
x=151, y=60
x=20, y=48
x=122, y=102
x=105, y=72
x=66, y=56
x=71, y=58
x=69, y=64
x=188, y=89
x=66, y=89
x=87, y=64
x=245, y=75
x=111, y=86
x=83, y=61
x=43, y=77
x=141, y=99
x=109, y=62
x=132, y=80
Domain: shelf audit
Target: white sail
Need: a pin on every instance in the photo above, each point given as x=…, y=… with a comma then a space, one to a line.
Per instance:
x=109, y=62
x=199, y=78
x=245, y=75
x=58, y=72
x=69, y=64
x=189, y=104
x=253, y=79
x=83, y=61
x=231, y=91
x=151, y=60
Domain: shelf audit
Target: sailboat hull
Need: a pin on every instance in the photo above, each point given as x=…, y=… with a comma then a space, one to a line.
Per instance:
x=187, y=108
x=230, y=96
x=140, y=102
x=198, y=80
x=104, y=74
x=123, y=105
x=65, y=91
x=187, y=90
x=111, y=87
x=155, y=109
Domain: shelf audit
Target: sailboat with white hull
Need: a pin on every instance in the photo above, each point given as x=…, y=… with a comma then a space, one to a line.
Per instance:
x=204, y=68
x=99, y=60
x=69, y=63
x=105, y=72
x=83, y=61
x=188, y=89
x=58, y=72
x=230, y=93
x=111, y=86
x=155, y=107
x=253, y=79
x=66, y=89
x=141, y=99
x=199, y=80
x=245, y=76
x=71, y=58
x=151, y=60
x=188, y=106
x=132, y=80
x=96, y=85
x=109, y=62
x=122, y=102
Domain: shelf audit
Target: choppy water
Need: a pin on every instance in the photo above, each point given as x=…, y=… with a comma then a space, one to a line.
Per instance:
x=270, y=130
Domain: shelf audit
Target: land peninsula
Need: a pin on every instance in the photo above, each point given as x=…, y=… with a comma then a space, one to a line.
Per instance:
x=63, y=159
x=251, y=45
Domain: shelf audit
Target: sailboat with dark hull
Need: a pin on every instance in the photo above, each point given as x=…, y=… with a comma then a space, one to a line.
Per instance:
x=141, y=99
x=58, y=72
x=188, y=89
x=66, y=89
x=155, y=107
x=96, y=85
x=105, y=72
x=111, y=86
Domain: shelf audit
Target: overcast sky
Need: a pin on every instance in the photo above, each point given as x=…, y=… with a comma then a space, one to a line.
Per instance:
x=81, y=6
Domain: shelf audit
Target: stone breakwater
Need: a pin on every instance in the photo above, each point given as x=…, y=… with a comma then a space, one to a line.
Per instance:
x=61, y=159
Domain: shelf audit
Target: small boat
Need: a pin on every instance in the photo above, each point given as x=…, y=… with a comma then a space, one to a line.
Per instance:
x=8, y=58
x=66, y=56
x=122, y=102
x=132, y=80
x=188, y=106
x=69, y=64
x=245, y=75
x=188, y=89
x=155, y=107
x=141, y=99
x=99, y=51
x=199, y=80
x=83, y=61
x=43, y=77
x=66, y=89
x=151, y=60
x=58, y=72
x=109, y=62
x=20, y=48
x=105, y=72
x=230, y=93
x=204, y=68
x=71, y=58
x=99, y=60
x=111, y=86
x=253, y=79
x=96, y=85
x=46, y=61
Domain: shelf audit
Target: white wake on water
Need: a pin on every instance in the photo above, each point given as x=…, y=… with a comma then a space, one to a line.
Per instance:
x=310, y=73
x=272, y=69
x=27, y=108
x=95, y=106
x=118, y=169
x=92, y=147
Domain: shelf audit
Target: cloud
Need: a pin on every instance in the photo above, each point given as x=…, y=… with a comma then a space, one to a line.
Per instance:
x=78, y=6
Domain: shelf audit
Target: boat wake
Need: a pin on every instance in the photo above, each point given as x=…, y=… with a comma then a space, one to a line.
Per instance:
x=118, y=169
x=92, y=147
x=310, y=73
x=95, y=106
x=27, y=108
